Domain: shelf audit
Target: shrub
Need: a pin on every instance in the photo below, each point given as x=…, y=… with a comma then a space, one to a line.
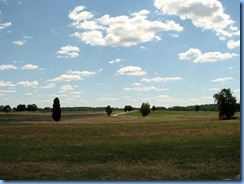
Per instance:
x=145, y=109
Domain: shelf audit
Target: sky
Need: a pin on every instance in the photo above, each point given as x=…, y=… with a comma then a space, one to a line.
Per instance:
x=98, y=52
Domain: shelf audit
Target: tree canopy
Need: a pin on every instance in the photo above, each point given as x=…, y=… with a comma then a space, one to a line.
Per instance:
x=226, y=104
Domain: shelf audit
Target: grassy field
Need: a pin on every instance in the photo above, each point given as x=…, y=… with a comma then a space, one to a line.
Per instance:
x=166, y=145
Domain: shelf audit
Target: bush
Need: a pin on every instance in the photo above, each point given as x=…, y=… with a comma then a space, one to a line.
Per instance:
x=145, y=109
x=108, y=110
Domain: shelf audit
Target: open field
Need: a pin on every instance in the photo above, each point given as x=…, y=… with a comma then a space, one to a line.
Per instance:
x=166, y=145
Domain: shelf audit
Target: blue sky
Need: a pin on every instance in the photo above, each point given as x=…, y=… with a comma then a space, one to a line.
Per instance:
x=100, y=52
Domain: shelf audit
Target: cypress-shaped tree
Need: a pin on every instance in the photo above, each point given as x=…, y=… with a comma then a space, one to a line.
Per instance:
x=56, y=115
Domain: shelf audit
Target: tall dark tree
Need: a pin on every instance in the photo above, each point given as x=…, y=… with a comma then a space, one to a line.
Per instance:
x=145, y=109
x=56, y=115
x=226, y=104
x=108, y=110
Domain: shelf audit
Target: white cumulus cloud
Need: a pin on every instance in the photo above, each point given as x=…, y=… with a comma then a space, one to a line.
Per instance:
x=19, y=43
x=223, y=80
x=119, y=30
x=28, y=84
x=147, y=88
x=30, y=67
x=118, y=60
x=160, y=79
x=6, y=84
x=233, y=44
x=68, y=51
x=199, y=57
x=7, y=67
x=66, y=78
x=5, y=25
x=207, y=14
x=131, y=70
x=50, y=85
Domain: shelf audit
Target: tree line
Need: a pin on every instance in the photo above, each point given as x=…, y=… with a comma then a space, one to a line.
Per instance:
x=19, y=108
x=225, y=103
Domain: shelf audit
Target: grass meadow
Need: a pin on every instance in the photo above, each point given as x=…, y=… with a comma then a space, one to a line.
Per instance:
x=166, y=145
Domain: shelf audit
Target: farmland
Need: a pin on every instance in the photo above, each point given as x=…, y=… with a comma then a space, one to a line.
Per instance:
x=166, y=145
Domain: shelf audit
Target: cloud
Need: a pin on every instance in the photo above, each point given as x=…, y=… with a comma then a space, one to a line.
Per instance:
x=233, y=44
x=77, y=14
x=131, y=70
x=200, y=57
x=118, y=60
x=51, y=85
x=8, y=91
x=160, y=79
x=107, y=99
x=6, y=84
x=68, y=51
x=66, y=88
x=149, y=88
x=66, y=78
x=111, y=31
x=7, y=67
x=81, y=73
x=207, y=14
x=30, y=67
x=223, y=80
x=5, y=25
x=28, y=84
x=73, y=76
x=19, y=43
x=214, y=89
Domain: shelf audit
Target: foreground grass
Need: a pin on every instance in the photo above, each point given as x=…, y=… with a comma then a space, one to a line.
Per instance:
x=101, y=148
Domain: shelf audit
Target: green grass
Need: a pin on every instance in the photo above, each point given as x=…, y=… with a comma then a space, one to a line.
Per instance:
x=86, y=147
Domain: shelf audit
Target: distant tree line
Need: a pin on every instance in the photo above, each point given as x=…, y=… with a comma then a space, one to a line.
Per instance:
x=19, y=108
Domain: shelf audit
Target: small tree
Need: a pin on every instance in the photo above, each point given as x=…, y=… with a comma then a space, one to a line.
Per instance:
x=6, y=108
x=145, y=109
x=226, y=104
x=154, y=108
x=108, y=110
x=128, y=108
x=21, y=107
x=56, y=115
x=31, y=107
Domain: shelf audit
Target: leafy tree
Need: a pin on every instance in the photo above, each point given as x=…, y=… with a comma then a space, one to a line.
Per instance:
x=154, y=108
x=197, y=108
x=56, y=115
x=108, y=110
x=6, y=108
x=21, y=107
x=226, y=104
x=128, y=108
x=145, y=109
x=32, y=107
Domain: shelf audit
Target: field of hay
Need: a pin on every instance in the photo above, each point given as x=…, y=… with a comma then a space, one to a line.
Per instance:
x=166, y=145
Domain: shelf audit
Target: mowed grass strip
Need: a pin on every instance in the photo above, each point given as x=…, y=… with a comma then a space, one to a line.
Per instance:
x=144, y=150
